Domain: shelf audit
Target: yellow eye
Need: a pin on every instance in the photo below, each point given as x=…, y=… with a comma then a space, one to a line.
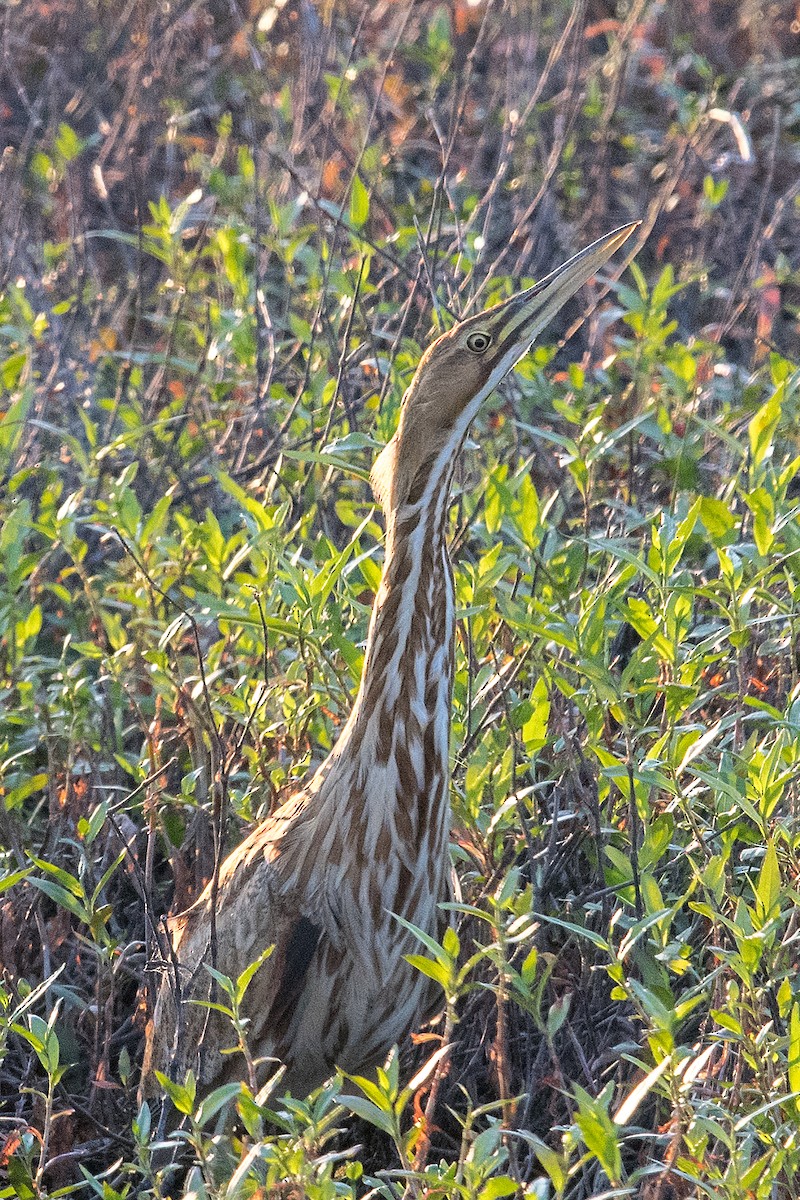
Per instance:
x=479, y=342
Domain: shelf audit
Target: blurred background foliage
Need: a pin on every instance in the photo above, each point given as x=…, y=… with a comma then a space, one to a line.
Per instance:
x=227, y=230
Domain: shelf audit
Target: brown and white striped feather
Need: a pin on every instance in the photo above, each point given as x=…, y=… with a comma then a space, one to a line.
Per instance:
x=322, y=878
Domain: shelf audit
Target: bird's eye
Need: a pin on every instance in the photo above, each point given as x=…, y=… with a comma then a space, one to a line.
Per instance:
x=479, y=342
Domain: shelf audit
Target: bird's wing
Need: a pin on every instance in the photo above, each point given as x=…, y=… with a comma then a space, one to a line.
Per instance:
x=252, y=909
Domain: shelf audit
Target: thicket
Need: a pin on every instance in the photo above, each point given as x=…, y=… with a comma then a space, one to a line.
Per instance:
x=227, y=231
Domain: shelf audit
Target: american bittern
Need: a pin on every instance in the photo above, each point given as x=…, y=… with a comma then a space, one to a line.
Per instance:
x=367, y=836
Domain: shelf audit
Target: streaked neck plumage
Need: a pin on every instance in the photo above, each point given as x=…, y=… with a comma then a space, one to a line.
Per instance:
x=396, y=741
x=403, y=703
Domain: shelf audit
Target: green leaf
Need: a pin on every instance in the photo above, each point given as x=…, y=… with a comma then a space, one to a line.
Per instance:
x=768, y=889
x=426, y=966
x=651, y=894
x=61, y=896
x=182, y=1095
x=11, y=369
x=194, y=1187
x=107, y=874
x=595, y=938
x=359, y=203
x=558, y=1013
x=550, y=1161
x=124, y=1065
x=12, y=423
x=680, y=536
x=369, y=1112
x=66, y=880
x=794, y=1050
x=142, y=1120
x=599, y=1134
x=427, y=940
x=762, y=506
x=224, y=981
x=42, y=1037
x=325, y=580
x=640, y=617
x=714, y=191
x=726, y=1021
x=95, y=823
x=450, y=942
x=657, y=837
x=13, y=878
x=500, y=1185
x=21, y=1180
x=263, y=518
x=373, y=1092
x=534, y=731
x=661, y=1014
x=485, y=1146
x=214, y=1101
x=762, y=427
x=16, y=795
x=665, y=289
x=68, y=144
x=244, y=980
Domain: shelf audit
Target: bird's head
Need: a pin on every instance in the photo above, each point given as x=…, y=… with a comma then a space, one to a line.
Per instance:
x=462, y=367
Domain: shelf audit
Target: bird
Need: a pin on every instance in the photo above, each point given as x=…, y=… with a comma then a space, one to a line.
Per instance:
x=365, y=840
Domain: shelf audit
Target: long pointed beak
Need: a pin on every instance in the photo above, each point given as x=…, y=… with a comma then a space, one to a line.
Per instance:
x=515, y=324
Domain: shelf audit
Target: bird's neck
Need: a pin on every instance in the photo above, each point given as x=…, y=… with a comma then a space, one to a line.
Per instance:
x=411, y=631
x=399, y=729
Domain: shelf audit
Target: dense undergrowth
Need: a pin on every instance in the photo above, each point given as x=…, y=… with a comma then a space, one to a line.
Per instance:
x=227, y=233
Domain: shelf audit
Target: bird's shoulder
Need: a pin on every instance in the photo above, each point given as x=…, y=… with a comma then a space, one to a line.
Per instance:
x=256, y=879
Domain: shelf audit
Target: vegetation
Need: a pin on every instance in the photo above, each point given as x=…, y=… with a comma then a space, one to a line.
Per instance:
x=227, y=232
